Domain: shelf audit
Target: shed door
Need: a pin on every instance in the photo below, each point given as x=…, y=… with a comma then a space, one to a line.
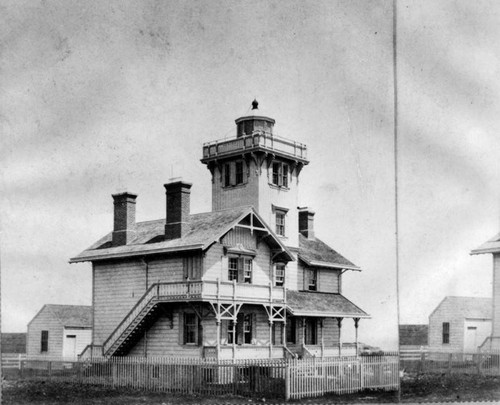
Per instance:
x=70, y=347
x=470, y=343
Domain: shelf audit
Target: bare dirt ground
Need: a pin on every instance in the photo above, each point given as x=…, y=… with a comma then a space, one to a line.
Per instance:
x=424, y=388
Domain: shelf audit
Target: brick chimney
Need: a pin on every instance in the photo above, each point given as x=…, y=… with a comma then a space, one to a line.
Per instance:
x=178, y=202
x=306, y=222
x=124, y=218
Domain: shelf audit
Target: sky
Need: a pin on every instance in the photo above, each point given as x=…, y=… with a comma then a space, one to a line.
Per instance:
x=101, y=97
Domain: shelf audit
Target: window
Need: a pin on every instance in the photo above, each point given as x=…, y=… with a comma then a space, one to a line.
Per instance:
x=279, y=275
x=277, y=333
x=190, y=329
x=233, y=269
x=280, y=174
x=231, y=333
x=312, y=280
x=446, y=332
x=247, y=263
x=247, y=329
x=280, y=223
x=240, y=269
x=290, y=331
x=227, y=175
x=44, y=341
x=239, y=172
x=311, y=332
x=192, y=267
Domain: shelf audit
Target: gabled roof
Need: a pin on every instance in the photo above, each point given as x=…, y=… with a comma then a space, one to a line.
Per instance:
x=315, y=252
x=413, y=335
x=205, y=229
x=490, y=246
x=307, y=303
x=78, y=316
x=468, y=307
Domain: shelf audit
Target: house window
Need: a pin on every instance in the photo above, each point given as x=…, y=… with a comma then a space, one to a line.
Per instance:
x=247, y=329
x=239, y=172
x=192, y=267
x=311, y=332
x=280, y=174
x=227, y=175
x=446, y=332
x=277, y=333
x=279, y=275
x=247, y=265
x=44, y=341
x=290, y=331
x=312, y=279
x=280, y=223
x=240, y=269
x=233, y=269
x=190, y=329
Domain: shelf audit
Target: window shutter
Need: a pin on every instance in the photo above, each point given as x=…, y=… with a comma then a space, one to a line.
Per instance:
x=200, y=332
x=232, y=173
x=305, y=282
x=223, y=332
x=185, y=265
x=241, y=267
x=239, y=328
x=183, y=329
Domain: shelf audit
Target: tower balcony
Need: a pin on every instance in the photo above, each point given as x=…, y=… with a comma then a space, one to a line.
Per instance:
x=257, y=141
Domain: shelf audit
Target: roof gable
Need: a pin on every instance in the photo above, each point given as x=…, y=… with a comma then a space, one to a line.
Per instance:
x=467, y=307
x=70, y=315
x=314, y=252
x=205, y=229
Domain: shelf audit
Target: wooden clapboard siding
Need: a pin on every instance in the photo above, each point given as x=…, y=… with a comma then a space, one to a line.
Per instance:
x=83, y=338
x=328, y=280
x=44, y=320
x=446, y=313
x=165, y=270
x=214, y=265
x=331, y=331
x=262, y=266
x=240, y=236
x=291, y=275
x=496, y=295
x=117, y=288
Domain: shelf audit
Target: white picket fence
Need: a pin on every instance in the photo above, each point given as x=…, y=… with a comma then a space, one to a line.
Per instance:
x=288, y=378
x=12, y=360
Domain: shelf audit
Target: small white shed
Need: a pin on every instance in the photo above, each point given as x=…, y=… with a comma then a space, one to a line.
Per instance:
x=59, y=331
x=460, y=324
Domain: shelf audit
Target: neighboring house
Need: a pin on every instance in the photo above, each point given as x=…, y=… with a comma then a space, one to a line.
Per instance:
x=493, y=246
x=460, y=324
x=247, y=279
x=413, y=337
x=14, y=343
x=59, y=331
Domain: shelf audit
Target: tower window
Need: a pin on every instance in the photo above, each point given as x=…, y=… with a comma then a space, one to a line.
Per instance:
x=280, y=174
x=279, y=275
x=280, y=223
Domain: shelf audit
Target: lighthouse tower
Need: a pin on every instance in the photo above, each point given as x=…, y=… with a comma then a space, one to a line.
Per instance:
x=260, y=169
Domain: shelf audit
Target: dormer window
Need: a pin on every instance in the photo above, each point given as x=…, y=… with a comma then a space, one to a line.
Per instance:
x=240, y=269
x=280, y=174
x=312, y=280
x=279, y=275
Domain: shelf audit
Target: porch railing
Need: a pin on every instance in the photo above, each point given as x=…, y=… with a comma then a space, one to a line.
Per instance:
x=259, y=139
x=191, y=290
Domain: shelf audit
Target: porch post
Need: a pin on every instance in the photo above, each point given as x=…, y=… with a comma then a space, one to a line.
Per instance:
x=356, y=322
x=217, y=321
x=303, y=332
x=339, y=324
x=322, y=340
x=270, y=339
x=234, y=337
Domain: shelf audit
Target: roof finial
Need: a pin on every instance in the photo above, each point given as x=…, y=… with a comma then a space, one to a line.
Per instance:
x=255, y=105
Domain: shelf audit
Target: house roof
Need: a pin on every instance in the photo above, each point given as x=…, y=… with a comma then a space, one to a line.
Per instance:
x=315, y=252
x=205, y=229
x=413, y=335
x=13, y=342
x=490, y=246
x=307, y=303
x=468, y=307
x=78, y=316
